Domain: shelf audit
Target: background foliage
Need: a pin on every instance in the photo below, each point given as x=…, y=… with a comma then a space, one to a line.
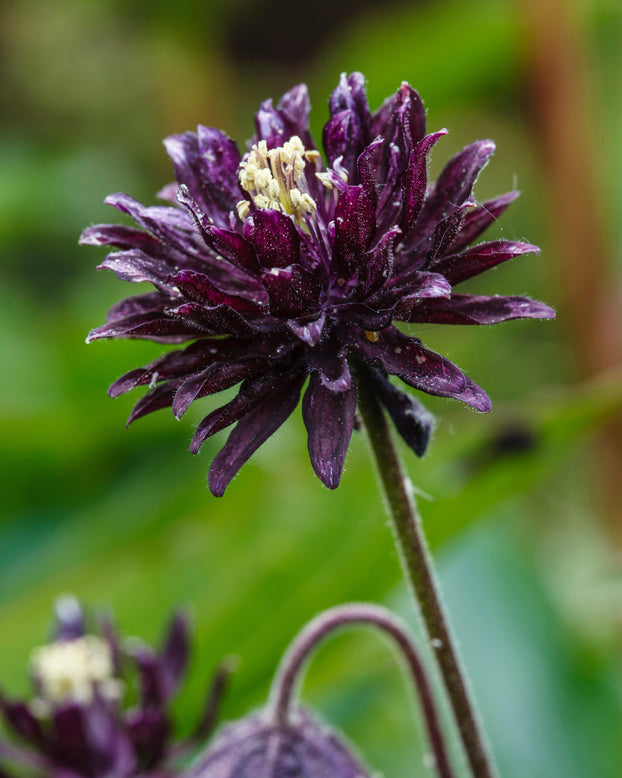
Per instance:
x=526, y=526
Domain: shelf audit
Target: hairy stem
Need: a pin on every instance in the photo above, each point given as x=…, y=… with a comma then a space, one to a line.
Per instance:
x=288, y=674
x=417, y=566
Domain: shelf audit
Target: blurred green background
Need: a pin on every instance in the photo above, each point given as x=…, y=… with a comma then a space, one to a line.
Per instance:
x=522, y=506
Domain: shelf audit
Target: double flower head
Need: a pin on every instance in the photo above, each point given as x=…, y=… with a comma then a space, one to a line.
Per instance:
x=283, y=268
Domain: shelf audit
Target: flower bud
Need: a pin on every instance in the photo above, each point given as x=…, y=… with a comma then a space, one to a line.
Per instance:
x=258, y=747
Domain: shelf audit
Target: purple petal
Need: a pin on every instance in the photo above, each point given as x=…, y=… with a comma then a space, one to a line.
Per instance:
x=293, y=291
x=482, y=217
x=253, y=429
x=171, y=365
x=220, y=320
x=329, y=418
x=412, y=420
x=479, y=309
x=156, y=399
x=458, y=267
x=276, y=239
x=176, y=651
x=69, y=619
x=369, y=166
x=234, y=248
x=172, y=226
x=415, y=179
x=354, y=229
x=378, y=264
x=406, y=104
x=426, y=286
x=421, y=368
x=69, y=736
x=183, y=149
x=309, y=332
x=18, y=716
x=136, y=266
x=149, y=732
x=198, y=288
x=219, y=160
x=341, y=138
x=271, y=125
x=295, y=107
x=349, y=94
x=148, y=326
x=215, y=378
x=152, y=683
x=120, y=236
x=455, y=183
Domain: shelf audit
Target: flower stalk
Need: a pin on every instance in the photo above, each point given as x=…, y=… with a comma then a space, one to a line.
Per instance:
x=417, y=566
x=282, y=704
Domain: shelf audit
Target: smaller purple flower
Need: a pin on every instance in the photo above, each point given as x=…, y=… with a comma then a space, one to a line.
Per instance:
x=256, y=747
x=78, y=724
x=287, y=271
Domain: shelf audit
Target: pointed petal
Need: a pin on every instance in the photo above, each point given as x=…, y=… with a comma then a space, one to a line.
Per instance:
x=198, y=288
x=152, y=687
x=160, y=397
x=329, y=418
x=341, y=138
x=369, y=166
x=155, y=326
x=69, y=619
x=480, y=218
x=276, y=239
x=421, y=368
x=350, y=94
x=174, y=364
x=175, y=652
x=293, y=292
x=215, y=378
x=412, y=420
x=172, y=226
x=415, y=179
x=354, y=228
x=309, y=332
x=378, y=264
x=455, y=183
x=459, y=267
x=479, y=309
x=295, y=107
x=120, y=236
x=271, y=125
x=136, y=266
x=20, y=719
x=252, y=430
x=219, y=160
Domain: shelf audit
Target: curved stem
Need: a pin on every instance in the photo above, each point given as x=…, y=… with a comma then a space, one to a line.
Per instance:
x=287, y=677
x=417, y=566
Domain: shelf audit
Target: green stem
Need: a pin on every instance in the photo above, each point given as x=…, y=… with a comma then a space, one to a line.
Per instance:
x=417, y=565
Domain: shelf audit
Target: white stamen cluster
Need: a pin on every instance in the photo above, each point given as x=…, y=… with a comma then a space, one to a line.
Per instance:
x=71, y=669
x=275, y=178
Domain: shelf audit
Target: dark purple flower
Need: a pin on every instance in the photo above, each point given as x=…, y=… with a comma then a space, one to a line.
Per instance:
x=256, y=746
x=78, y=724
x=281, y=267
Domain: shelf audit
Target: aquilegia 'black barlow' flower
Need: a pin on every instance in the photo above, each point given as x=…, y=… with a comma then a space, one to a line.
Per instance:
x=256, y=746
x=281, y=266
x=79, y=725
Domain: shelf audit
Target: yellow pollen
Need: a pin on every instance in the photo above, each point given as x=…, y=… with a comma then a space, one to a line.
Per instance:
x=71, y=669
x=275, y=178
x=372, y=337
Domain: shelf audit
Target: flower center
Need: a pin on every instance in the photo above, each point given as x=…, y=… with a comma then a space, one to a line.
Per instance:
x=71, y=669
x=276, y=179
